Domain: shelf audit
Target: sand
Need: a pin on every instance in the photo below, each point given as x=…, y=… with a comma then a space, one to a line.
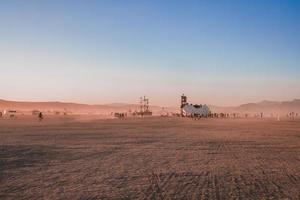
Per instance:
x=151, y=158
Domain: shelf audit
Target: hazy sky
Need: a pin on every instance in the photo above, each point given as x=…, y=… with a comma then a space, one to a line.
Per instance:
x=216, y=52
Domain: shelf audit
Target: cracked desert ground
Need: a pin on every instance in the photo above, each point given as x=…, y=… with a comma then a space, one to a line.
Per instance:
x=150, y=158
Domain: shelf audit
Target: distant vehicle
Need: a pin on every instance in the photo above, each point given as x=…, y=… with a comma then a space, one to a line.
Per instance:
x=12, y=113
x=120, y=115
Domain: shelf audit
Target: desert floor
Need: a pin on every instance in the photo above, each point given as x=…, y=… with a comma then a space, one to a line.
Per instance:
x=151, y=158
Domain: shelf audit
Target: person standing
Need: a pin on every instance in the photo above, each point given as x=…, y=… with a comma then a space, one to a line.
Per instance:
x=41, y=117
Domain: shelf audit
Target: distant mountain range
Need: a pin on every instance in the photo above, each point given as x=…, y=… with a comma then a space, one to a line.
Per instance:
x=263, y=106
x=77, y=107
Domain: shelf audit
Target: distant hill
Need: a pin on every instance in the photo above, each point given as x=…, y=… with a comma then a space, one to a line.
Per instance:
x=267, y=107
x=76, y=107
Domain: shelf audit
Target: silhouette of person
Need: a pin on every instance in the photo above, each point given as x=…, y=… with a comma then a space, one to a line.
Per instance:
x=41, y=116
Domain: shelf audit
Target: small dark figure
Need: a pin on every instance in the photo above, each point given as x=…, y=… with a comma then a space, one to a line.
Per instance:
x=41, y=117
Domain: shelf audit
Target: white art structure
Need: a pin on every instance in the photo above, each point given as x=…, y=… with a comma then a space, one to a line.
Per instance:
x=191, y=110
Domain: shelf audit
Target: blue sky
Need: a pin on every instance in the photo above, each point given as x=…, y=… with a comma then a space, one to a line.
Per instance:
x=217, y=52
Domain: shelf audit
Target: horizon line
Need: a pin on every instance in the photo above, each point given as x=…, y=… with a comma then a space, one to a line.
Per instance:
x=127, y=103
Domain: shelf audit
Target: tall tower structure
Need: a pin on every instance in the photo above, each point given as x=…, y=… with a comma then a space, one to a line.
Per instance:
x=146, y=104
x=183, y=103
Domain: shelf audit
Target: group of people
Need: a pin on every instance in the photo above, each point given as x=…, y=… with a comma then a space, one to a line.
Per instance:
x=40, y=115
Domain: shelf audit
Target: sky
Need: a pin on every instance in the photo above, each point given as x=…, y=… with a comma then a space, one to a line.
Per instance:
x=96, y=52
